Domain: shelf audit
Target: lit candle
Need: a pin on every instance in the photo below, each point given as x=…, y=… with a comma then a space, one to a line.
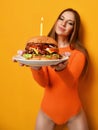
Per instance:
x=41, y=26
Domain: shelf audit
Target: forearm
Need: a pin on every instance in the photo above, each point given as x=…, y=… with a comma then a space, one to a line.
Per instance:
x=40, y=76
x=73, y=69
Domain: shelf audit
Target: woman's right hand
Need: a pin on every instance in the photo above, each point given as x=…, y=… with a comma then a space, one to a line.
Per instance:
x=36, y=67
x=19, y=63
x=32, y=67
x=20, y=52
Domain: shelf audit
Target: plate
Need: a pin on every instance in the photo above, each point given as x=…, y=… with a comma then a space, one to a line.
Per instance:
x=24, y=61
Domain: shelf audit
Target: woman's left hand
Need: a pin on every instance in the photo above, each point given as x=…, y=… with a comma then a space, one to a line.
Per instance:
x=61, y=66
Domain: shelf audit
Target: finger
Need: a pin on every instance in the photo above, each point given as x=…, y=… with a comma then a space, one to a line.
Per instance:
x=21, y=64
x=53, y=66
x=66, y=54
x=14, y=60
x=36, y=67
x=20, y=52
x=65, y=62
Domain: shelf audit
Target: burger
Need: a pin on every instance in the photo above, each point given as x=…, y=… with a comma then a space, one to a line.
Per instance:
x=41, y=47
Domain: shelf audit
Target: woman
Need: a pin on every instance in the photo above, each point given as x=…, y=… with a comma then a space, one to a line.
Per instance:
x=61, y=103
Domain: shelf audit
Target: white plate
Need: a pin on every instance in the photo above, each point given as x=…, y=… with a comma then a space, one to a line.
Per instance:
x=22, y=60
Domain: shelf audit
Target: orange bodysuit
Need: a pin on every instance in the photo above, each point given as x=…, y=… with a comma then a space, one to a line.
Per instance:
x=61, y=100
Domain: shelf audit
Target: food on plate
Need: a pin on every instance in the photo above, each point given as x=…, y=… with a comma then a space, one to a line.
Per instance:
x=41, y=47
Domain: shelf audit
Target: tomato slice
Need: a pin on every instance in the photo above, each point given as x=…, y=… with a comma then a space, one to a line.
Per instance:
x=53, y=49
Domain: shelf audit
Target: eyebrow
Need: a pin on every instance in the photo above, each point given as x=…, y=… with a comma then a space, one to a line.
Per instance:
x=68, y=19
x=71, y=20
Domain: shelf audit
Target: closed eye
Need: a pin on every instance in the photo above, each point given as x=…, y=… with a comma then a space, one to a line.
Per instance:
x=71, y=23
x=61, y=18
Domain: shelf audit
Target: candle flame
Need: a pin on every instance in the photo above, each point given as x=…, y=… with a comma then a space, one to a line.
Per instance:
x=42, y=19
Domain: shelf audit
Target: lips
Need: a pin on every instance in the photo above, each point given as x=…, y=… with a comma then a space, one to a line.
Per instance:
x=61, y=28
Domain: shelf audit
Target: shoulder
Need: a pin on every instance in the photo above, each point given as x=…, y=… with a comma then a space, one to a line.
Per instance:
x=78, y=55
x=78, y=52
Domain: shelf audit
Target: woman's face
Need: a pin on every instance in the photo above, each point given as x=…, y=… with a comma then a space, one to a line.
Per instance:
x=65, y=24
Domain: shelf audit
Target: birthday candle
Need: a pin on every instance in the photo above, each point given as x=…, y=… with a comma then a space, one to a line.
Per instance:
x=41, y=26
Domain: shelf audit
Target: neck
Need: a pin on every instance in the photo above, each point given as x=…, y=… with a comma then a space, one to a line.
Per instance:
x=62, y=42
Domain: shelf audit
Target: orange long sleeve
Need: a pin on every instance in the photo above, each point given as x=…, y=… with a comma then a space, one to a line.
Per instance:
x=73, y=69
x=41, y=76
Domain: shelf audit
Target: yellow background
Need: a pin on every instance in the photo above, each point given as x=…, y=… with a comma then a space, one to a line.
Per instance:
x=20, y=96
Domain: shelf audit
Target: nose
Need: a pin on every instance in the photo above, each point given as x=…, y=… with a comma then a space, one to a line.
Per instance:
x=63, y=23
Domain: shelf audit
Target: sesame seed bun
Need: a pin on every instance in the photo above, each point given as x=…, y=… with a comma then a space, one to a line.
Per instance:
x=43, y=39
